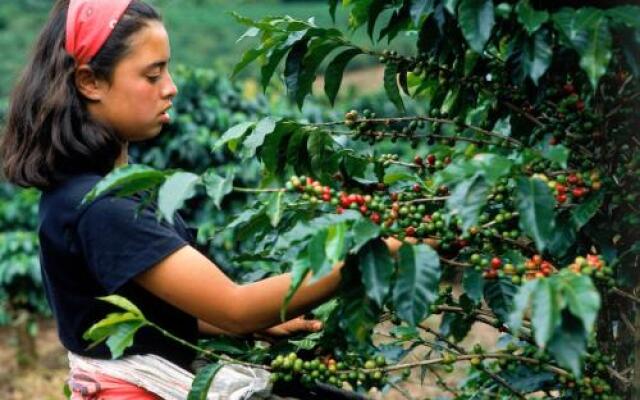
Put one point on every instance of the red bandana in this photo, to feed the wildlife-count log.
(89, 24)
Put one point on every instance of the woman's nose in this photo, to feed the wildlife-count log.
(170, 90)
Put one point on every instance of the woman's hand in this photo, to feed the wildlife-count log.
(293, 326)
(394, 244)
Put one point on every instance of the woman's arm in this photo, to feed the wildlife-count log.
(190, 281)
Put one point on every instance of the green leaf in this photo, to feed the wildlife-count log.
(127, 180)
(536, 204)
(473, 284)
(247, 58)
(521, 301)
(529, 17)
(106, 326)
(420, 8)
(316, 53)
(375, 8)
(123, 303)
(451, 6)
(558, 154)
(217, 187)
(597, 55)
(299, 270)
(583, 213)
(297, 155)
(357, 315)
(363, 231)
(232, 135)
(545, 311)
(587, 31)
(175, 190)
(294, 68)
(334, 72)
(271, 152)
(625, 15)
(377, 268)
(332, 9)
(536, 55)
(456, 325)
(416, 286)
(568, 344)
(275, 208)
(476, 19)
(467, 200)
(122, 337)
(322, 154)
(391, 85)
(319, 262)
(334, 246)
(273, 59)
(202, 382)
(309, 342)
(499, 295)
(255, 139)
(582, 298)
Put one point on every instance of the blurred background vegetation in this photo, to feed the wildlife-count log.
(203, 32)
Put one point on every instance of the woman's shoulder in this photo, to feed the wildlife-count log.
(68, 194)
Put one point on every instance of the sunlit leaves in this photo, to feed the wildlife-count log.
(416, 286)
(476, 18)
(536, 204)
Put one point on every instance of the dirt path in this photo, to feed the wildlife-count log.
(43, 382)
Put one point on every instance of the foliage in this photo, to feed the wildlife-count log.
(20, 279)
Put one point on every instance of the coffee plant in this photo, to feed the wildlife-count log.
(519, 181)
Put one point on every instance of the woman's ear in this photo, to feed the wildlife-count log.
(88, 84)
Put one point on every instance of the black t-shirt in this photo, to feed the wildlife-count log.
(95, 250)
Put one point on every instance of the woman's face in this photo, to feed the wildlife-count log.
(136, 101)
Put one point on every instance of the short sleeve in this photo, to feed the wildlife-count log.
(119, 240)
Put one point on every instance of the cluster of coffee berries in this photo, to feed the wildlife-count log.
(356, 372)
(593, 265)
(431, 161)
(387, 159)
(572, 187)
(537, 267)
(312, 190)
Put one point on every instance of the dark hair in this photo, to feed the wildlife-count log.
(49, 133)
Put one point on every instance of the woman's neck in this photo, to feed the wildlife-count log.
(123, 158)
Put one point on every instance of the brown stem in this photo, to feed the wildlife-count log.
(624, 294)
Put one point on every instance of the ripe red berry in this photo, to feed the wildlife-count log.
(560, 188)
(431, 159)
(417, 160)
(568, 88)
(579, 105)
(561, 198)
(577, 192)
(326, 197)
(364, 209)
(496, 263)
(572, 179)
(375, 218)
(417, 188)
(394, 196)
(339, 210)
(344, 202)
(410, 231)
